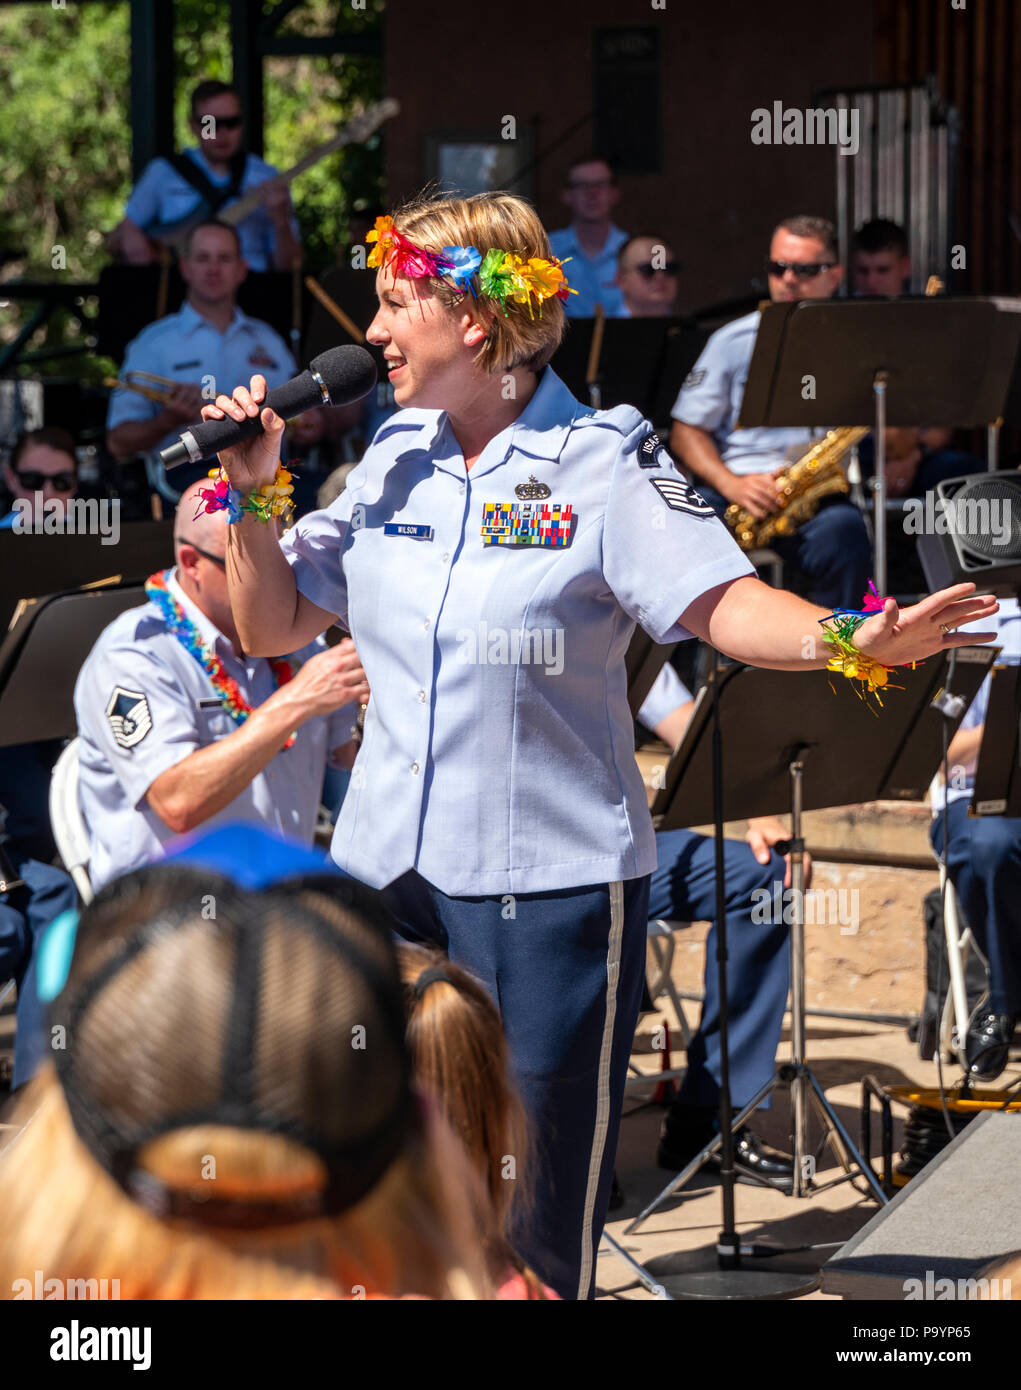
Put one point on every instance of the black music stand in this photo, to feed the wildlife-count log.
(32, 566)
(926, 360)
(42, 654)
(642, 362)
(795, 744)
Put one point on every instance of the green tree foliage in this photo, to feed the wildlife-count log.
(65, 136)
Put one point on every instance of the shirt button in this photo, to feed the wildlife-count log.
(421, 697)
(414, 768)
(461, 488)
(425, 625)
(446, 556)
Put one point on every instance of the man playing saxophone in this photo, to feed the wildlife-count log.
(829, 557)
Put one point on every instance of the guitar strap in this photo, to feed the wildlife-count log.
(213, 196)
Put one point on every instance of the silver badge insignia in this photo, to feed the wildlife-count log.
(532, 491)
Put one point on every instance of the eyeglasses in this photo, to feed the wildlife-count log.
(228, 122)
(36, 482)
(806, 270)
(648, 271)
(584, 186)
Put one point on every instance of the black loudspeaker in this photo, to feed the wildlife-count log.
(970, 529)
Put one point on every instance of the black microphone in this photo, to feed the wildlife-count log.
(337, 377)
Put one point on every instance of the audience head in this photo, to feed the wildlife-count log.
(880, 262)
(461, 1059)
(232, 1114)
(647, 275)
(212, 265)
(803, 260)
(590, 191)
(42, 467)
(216, 120)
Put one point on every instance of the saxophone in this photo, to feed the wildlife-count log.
(801, 486)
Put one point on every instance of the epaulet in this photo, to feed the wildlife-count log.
(405, 420)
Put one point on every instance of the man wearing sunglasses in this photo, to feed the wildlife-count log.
(42, 469)
(830, 557)
(647, 277)
(206, 178)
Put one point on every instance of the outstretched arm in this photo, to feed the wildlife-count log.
(748, 620)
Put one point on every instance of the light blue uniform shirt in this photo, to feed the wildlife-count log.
(143, 703)
(162, 195)
(711, 396)
(499, 748)
(594, 277)
(1008, 637)
(188, 348)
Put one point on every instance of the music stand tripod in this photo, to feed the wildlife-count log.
(782, 726)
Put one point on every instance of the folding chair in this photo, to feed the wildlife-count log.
(953, 1028)
(69, 830)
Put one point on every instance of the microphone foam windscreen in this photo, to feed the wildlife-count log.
(348, 372)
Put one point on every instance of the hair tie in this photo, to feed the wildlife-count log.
(430, 977)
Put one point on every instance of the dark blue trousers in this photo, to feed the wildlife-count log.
(25, 913)
(566, 970)
(683, 888)
(984, 863)
(832, 552)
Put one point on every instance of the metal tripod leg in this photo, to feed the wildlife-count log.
(645, 1278)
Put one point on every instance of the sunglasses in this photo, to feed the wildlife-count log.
(216, 559)
(36, 482)
(228, 122)
(806, 270)
(648, 271)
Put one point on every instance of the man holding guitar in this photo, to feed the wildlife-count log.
(203, 181)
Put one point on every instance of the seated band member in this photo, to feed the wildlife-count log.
(984, 863)
(916, 459)
(180, 727)
(591, 241)
(208, 342)
(647, 277)
(683, 889)
(832, 550)
(203, 180)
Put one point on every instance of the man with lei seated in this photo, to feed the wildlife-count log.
(179, 727)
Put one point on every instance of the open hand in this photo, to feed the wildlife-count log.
(896, 636)
(254, 463)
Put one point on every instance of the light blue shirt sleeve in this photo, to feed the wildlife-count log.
(704, 399)
(314, 549)
(668, 691)
(127, 406)
(662, 545)
(143, 205)
(167, 708)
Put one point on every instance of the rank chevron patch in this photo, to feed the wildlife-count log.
(681, 496)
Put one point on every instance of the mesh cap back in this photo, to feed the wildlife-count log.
(190, 1002)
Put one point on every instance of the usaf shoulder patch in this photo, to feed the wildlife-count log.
(694, 378)
(129, 715)
(651, 453)
(681, 496)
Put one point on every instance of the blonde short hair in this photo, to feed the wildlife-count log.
(490, 221)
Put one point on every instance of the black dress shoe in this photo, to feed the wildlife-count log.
(754, 1161)
(987, 1046)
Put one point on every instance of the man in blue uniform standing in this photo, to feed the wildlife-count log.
(831, 551)
(211, 176)
(180, 728)
(591, 241)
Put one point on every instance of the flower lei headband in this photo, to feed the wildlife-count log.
(499, 275)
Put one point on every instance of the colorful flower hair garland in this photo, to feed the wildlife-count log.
(180, 626)
(847, 660)
(270, 500)
(499, 275)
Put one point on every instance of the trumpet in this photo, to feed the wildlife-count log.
(161, 392)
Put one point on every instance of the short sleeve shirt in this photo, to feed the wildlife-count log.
(499, 747)
(593, 277)
(188, 348)
(710, 399)
(162, 195)
(143, 704)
